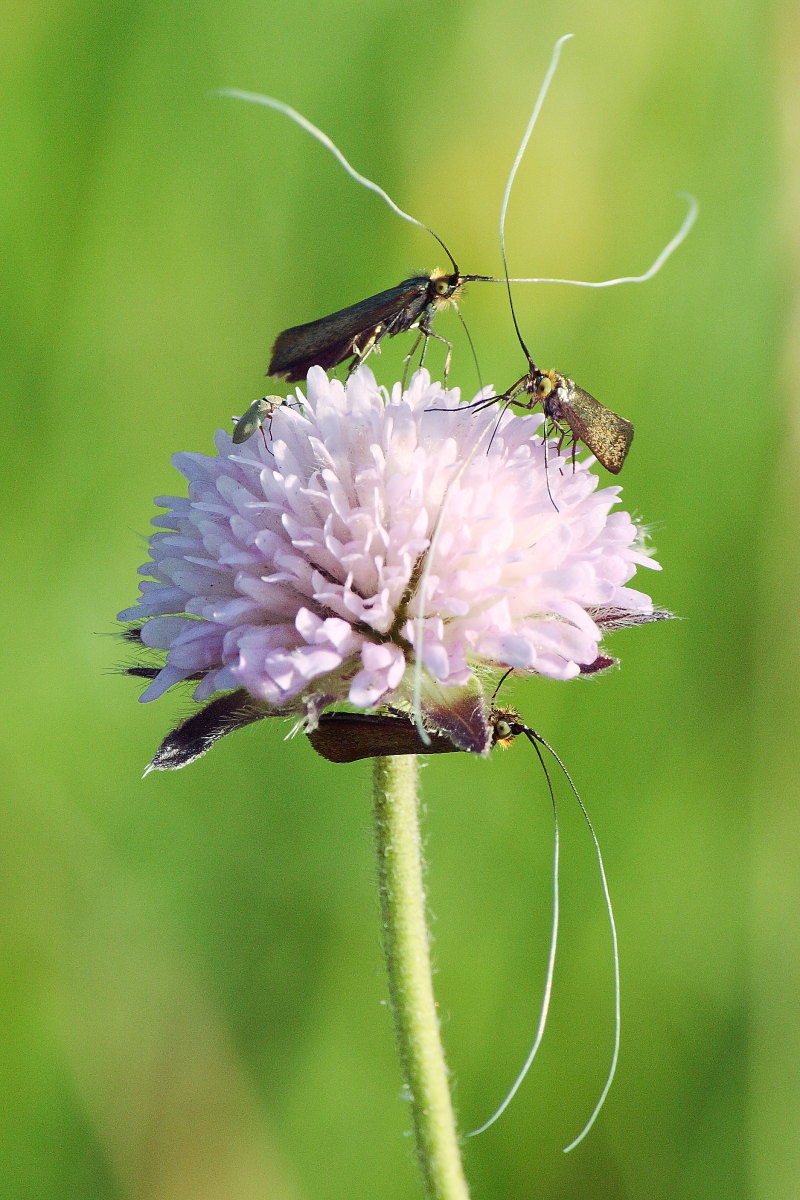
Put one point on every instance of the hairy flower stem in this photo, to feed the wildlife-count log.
(405, 938)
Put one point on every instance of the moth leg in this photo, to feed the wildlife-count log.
(362, 353)
(407, 360)
(427, 332)
(562, 434)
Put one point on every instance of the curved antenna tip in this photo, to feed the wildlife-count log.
(694, 209)
(672, 245)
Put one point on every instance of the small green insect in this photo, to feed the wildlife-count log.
(259, 413)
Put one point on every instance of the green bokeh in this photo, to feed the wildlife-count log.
(191, 982)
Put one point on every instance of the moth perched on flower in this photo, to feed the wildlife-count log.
(378, 527)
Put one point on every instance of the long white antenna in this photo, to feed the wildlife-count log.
(551, 962)
(669, 249)
(323, 139)
(526, 137)
(536, 741)
(612, 1070)
(431, 551)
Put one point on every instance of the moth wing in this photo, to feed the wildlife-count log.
(348, 737)
(329, 341)
(604, 432)
(198, 733)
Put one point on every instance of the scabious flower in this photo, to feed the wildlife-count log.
(310, 568)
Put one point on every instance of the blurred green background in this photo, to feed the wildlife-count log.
(191, 979)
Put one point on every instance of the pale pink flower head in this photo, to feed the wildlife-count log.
(311, 568)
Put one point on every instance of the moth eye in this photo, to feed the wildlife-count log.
(502, 730)
(442, 286)
(544, 387)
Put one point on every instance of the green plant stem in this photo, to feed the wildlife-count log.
(405, 938)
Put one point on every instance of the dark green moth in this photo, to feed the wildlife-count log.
(344, 737)
(354, 332)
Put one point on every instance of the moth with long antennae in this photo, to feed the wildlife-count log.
(345, 737)
(590, 402)
(571, 413)
(352, 333)
(348, 737)
(566, 405)
(569, 408)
